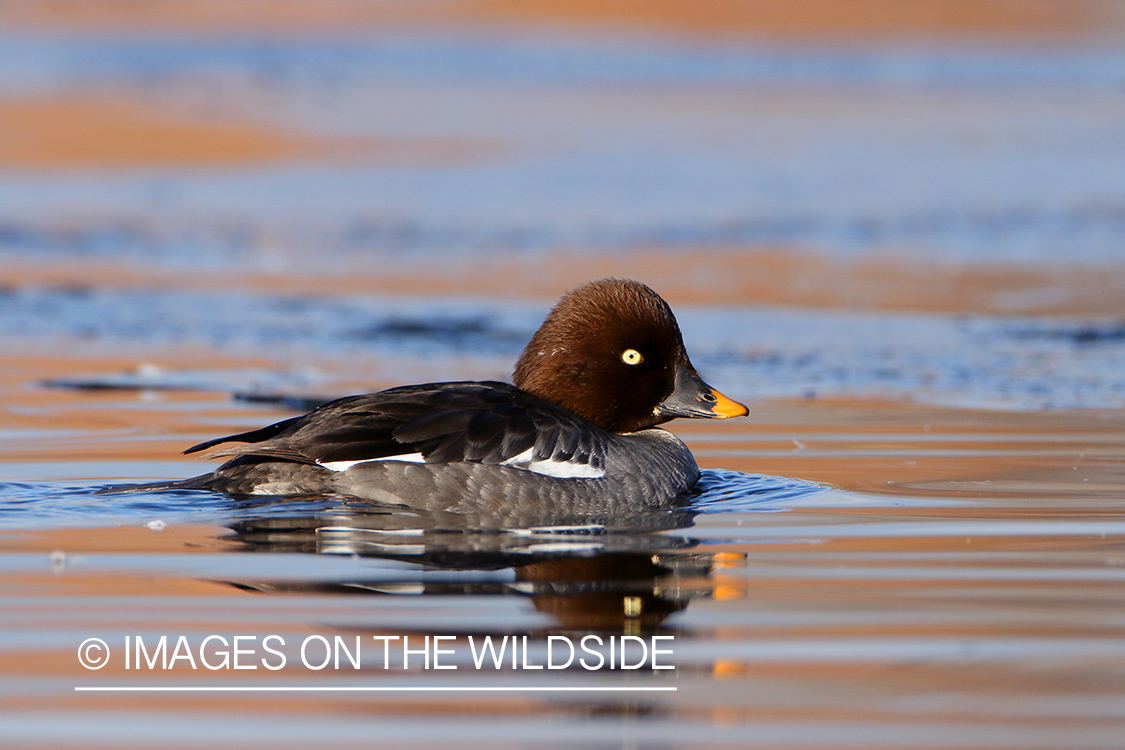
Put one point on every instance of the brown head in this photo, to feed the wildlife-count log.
(611, 351)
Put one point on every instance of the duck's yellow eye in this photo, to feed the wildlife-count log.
(631, 357)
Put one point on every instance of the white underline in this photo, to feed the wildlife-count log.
(385, 689)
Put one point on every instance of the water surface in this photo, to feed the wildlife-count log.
(916, 540)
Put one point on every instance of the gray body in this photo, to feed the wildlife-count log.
(646, 470)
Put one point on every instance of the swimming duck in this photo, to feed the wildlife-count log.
(576, 434)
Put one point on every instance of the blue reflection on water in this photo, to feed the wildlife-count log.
(45, 504)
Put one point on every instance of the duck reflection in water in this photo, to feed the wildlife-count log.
(618, 575)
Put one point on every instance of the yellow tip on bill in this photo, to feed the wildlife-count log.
(725, 408)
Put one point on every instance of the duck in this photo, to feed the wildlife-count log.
(576, 433)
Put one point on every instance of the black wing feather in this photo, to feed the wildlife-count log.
(254, 436)
(486, 423)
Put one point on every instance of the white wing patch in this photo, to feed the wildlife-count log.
(547, 467)
(523, 458)
(566, 469)
(525, 461)
(413, 458)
